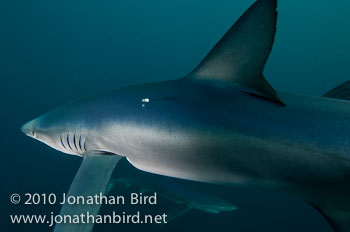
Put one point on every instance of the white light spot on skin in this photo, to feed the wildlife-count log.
(144, 101)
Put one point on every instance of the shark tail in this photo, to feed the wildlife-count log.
(338, 219)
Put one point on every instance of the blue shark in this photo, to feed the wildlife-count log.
(186, 194)
(223, 123)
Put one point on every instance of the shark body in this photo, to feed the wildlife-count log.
(186, 194)
(222, 123)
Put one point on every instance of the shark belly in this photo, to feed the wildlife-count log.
(222, 123)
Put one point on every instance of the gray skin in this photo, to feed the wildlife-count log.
(223, 123)
(191, 195)
(194, 130)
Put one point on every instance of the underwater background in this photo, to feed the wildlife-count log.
(55, 51)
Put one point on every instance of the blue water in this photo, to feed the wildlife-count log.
(55, 51)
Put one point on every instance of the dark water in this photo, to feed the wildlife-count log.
(55, 51)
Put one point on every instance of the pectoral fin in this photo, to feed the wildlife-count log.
(109, 188)
(178, 212)
(92, 178)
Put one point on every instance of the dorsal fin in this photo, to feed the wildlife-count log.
(340, 92)
(241, 54)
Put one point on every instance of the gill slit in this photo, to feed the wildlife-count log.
(75, 144)
(84, 145)
(68, 142)
(80, 144)
(62, 142)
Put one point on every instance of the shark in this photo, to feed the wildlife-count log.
(186, 194)
(222, 123)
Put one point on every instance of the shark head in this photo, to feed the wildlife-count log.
(128, 121)
(63, 129)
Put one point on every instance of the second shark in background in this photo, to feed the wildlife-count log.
(187, 194)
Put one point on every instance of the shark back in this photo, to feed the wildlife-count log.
(223, 123)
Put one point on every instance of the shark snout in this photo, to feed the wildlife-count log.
(28, 128)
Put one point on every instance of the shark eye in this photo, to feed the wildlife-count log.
(33, 134)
